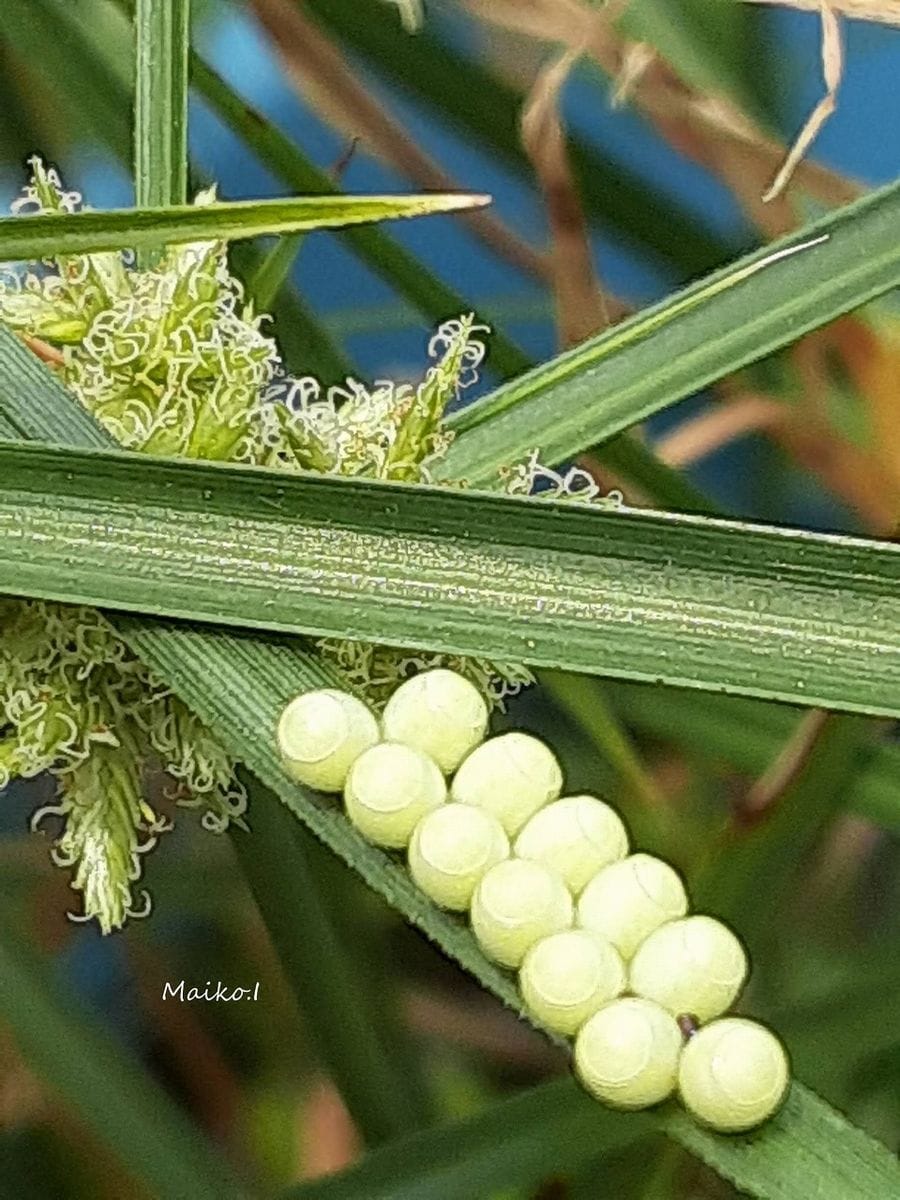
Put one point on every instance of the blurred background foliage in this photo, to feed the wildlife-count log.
(784, 827)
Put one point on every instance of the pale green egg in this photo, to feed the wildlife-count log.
(451, 849)
(516, 904)
(440, 713)
(694, 965)
(320, 734)
(576, 837)
(566, 977)
(734, 1075)
(389, 789)
(511, 776)
(627, 1053)
(627, 900)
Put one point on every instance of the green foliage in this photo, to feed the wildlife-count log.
(573, 574)
(168, 355)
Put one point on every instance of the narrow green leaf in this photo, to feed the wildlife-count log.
(237, 684)
(348, 1025)
(31, 238)
(738, 315)
(549, 1131)
(162, 37)
(718, 605)
(113, 1097)
(269, 277)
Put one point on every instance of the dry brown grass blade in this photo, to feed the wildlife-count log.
(318, 69)
(580, 305)
(328, 1138)
(703, 435)
(887, 12)
(872, 359)
(698, 125)
(832, 70)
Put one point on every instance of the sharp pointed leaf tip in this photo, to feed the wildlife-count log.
(449, 201)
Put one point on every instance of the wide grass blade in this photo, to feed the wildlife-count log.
(32, 238)
(114, 1098)
(722, 323)
(718, 605)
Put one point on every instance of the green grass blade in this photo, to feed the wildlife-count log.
(549, 1131)
(30, 238)
(117, 1101)
(274, 269)
(746, 734)
(162, 37)
(809, 1150)
(487, 111)
(718, 605)
(734, 317)
(748, 878)
(238, 684)
(347, 1024)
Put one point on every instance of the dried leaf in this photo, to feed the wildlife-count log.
(885, 11)
(710, 129)
(832, 69)
(581, 307)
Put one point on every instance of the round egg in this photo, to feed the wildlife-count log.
(389, 789)
(576, 837)
(511, 776)
(451, 849)
(516, 904)
(627, 900)
(320, 735)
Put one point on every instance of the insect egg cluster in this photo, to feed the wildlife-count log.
(605, 949)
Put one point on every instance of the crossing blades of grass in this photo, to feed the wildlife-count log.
(238, 683)
(717, 605)
(737, 316)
